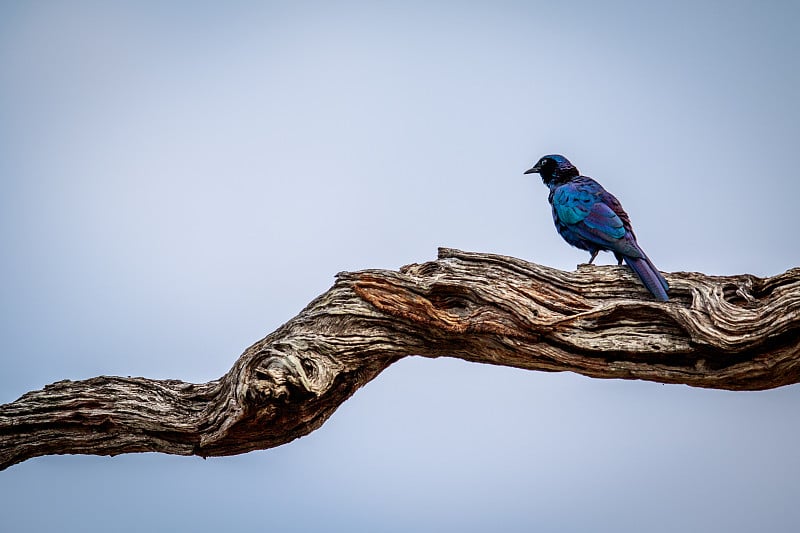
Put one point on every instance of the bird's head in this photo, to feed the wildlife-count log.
(554, 169)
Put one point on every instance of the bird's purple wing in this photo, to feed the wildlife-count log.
(580, 205)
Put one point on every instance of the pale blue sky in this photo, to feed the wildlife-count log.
(180, 178)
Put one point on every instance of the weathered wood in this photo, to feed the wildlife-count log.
(727, 332)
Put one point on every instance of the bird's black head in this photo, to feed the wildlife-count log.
(554, 169)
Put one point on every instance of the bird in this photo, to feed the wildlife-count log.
(590, 218)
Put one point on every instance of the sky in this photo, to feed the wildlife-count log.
(180, 178)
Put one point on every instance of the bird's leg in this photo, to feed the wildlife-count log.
(619, 258)
(594, 254)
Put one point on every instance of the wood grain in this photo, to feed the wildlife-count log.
(727, 332)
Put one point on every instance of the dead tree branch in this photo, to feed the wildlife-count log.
(734, 332)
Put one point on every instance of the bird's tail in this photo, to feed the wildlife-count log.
(650, 276)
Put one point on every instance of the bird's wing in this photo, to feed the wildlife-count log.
(611, 201)
(582, 208)
(603, 227)
(575, 204)
(604, 222)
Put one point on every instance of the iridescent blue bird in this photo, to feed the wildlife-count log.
(591, 218)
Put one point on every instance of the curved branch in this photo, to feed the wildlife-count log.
(727, 332)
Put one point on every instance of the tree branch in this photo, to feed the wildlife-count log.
(726, 332)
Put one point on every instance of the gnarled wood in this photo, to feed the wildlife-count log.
(731, 332)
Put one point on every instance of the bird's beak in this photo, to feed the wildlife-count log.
(534, 170)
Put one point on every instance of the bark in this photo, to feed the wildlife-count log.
(727, 332)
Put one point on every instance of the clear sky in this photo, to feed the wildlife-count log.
(180, 178)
